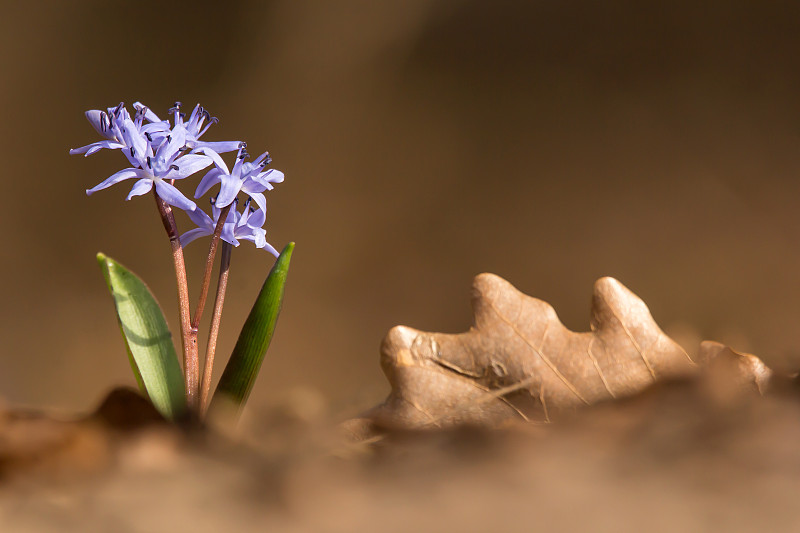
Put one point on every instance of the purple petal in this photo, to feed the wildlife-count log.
(233, 217)
(249, 169)
(268, 247)
(193, 234)
(237, 166)
(115, 178)
(94, 149)
(242, 219)
(141, 187)
(228, 189)
(113, 145)
(229, 238)
(220, 147)
(261, 202)
(96, 119)
(156, 129)
(134, 139)
(89, 149)
(173, 196)
(215, 157)
(211, 178)
(149, 115)
(273, 176)
(257, 219)
(202, 220)
(134, 161)
(229, 228)
(178, 136)
(82, 149)
(259, 199)
(263, 182)
(169, 150)
(118, 111)
(188, 165)
(260, 238)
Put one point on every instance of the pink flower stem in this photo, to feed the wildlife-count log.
(216, 317)
(191, 370)
(212, 252)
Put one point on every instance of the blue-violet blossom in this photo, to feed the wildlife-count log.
(247, 226)
(160, 154)
(109, 124)
(247, 177)
(155, 169)
(193, 129)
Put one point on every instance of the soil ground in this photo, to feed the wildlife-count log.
(672, 459)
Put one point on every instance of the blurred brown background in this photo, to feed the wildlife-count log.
(423, 141)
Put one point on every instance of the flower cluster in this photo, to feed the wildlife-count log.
(161, 153)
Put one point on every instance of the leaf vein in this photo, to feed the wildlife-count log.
(541, 355)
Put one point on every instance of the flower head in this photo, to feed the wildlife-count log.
(160, 153)
(109, 125)
(247, 177)
(193, 128)
(156, 151)
(247, 226)
(156, 167)
(250, 227)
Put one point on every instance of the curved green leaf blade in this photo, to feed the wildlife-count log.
(147, 338)
(240, 373)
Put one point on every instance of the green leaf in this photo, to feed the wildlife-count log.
(147, 338)
(240, 373)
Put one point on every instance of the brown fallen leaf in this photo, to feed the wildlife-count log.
(520, 362)
(730, 375)
(35, 442)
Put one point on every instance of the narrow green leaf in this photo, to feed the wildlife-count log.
(147, 338)
(240, 373)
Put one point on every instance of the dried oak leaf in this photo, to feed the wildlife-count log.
(520, 362)
(729, 375)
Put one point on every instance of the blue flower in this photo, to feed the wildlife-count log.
(109, 125)
(247, 177)
(250, 227)
(193, 129)
(160, 153)
(206, 225)
(247, 226)
(155, 169)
